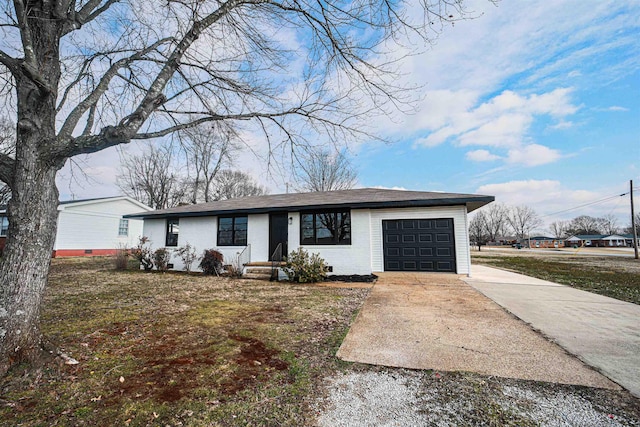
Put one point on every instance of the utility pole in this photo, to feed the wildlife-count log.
(633, 221)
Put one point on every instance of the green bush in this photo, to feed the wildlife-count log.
(304, 268)
(161, 259)
(211, 262)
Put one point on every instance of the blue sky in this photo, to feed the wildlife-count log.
(536, 103)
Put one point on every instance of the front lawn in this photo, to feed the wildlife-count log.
(178, 349)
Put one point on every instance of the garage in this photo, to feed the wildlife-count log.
(419, 245)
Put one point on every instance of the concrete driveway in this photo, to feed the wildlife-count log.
(437, 321)
(601, 331)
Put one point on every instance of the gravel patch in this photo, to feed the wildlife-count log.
(400, 397)
(372, 399)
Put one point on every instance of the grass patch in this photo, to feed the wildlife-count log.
(575, 272)
(178, 349)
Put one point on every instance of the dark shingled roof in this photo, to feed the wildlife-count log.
(372, 198)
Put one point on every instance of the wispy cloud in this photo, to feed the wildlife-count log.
(481, 156)
(550, 196)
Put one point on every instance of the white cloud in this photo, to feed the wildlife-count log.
(562, 124)
(617, 108)
(554, 201)
(532, 155)
(506, 130)
(481, 156)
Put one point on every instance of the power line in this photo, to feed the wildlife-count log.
(588, 204)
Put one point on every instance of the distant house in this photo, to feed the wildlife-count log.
(545, 242)
(596, 240)
(356, 231)
(91, 226)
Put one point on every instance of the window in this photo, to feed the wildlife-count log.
(232, 231)
(123, 228)
(173, 225)
(4, 225)
(325, 228)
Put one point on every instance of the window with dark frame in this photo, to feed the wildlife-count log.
(173, 227)
(325, 228)
(232, 230)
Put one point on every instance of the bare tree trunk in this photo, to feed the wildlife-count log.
(25, 265)
(33, 208)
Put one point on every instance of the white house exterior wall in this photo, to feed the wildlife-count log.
(363, 256)
(95, 226)
(457, 213)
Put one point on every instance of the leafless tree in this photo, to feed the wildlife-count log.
(584, 224)
(496, 221)
(319, 170)
(608, 224)
(523, 220)
(230, 184)
(151, 177)
(629, 228)
(478, 230)
(559, 229)
(84, 75)
(208, 148)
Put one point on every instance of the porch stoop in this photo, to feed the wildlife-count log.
(261, 270)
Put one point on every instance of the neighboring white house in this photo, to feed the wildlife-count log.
(356, 231)
(93, 226)
(599, 240)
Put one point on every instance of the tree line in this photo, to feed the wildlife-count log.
(496, 221)
(199, 165)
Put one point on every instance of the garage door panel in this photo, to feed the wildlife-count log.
(394, 266)
(409, 266)
(393, 252)
(419, 245)
(425, 224)
(426, 252)
(426, 266)
(445, 266)
(392, 238)
(441, 237)
(408, 224)
(443, 252)
(408, 238)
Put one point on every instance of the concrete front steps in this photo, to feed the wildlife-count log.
(260, 270)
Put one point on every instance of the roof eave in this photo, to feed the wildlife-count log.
(471, 204)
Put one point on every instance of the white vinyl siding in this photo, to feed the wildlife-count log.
(96, 225)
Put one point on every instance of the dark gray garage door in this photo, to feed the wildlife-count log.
(419, 245)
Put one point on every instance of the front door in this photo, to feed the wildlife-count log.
(278, 233)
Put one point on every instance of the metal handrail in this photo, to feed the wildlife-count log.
(276, 259)
(244, 257)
